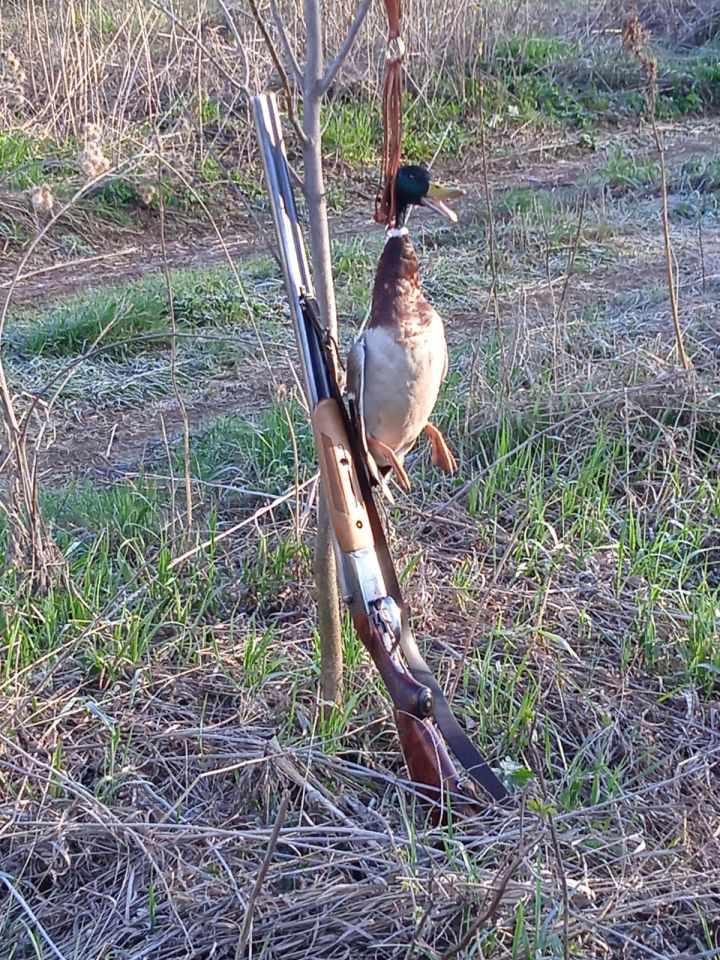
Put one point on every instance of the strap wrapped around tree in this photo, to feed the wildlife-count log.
(385, 206)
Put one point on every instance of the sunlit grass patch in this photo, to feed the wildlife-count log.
(267, 453)
(133, 317)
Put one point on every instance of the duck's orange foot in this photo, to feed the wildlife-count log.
(440, 451)
(379, 449)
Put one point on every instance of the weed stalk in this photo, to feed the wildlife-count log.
(173, 359)
(635, 40)
(493, 252)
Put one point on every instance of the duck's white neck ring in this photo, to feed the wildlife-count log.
(396, 232)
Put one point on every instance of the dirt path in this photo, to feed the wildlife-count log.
(47, 284)
(112, 443)
(547, 166)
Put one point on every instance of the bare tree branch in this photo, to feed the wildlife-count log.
(285, 41)
(239, 45)
(280, 69)
(335, 64)
(196, 40)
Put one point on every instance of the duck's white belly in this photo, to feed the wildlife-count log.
(402, 381)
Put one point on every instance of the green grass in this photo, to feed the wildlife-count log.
(27, 161)
(121, 533)
(258, 454)
(125, 334)
(552, 79)
(625, 170)
(536, 80)
(135, 316)
(578, 500)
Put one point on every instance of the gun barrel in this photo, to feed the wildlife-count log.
(296, 271)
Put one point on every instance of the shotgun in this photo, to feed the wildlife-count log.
(426, 726)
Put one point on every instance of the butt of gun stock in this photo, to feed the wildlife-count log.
(431, 768)
(426, 757)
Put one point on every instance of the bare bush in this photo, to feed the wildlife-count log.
(66, 65)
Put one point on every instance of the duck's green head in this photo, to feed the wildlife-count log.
(413, 186)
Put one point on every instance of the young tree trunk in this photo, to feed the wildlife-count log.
(312, 159)
(328, 600)
(315, 79)
(328, 608)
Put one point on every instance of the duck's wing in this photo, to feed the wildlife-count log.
(356, 393)
(355, 383)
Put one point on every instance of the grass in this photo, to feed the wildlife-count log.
(261, 455)
(624, 170)
(122, 320)
(536, 81)
(125, 333)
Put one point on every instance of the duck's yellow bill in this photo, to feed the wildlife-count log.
(437, 194)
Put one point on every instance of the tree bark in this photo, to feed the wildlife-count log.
(312, 160)
(328, 599)
(328, 611)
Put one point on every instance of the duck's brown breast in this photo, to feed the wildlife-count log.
(398, 301)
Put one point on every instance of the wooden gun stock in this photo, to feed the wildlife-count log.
(426, 756)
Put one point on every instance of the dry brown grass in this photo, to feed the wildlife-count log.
(115, 64)
(136, 818)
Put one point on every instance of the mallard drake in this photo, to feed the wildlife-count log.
(396, 367)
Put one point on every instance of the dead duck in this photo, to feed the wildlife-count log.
(397, 365)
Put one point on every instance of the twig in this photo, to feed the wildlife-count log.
(685, 361)
(261, 511)
(285, 41)
(559, 424)
(65, 265)
(28, 539)
(556, 847)
(635, 41)
(491, 243)
(342, 55)
(237, 192)
(7, 880)
(262, 873)
(491, 908)
(465, 651)
(573, 253)
(126, 597)
(614, 930)
(198, 42)
(239, 45)
(280, 69)
(173, 359)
